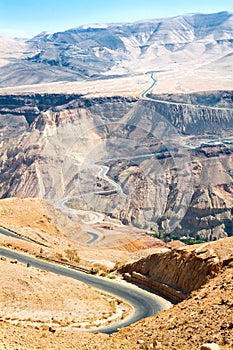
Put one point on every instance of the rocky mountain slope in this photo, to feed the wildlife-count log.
(37, 140)
(165, 163)
(193, 118)
(113, 50)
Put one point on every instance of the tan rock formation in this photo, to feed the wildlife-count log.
(183, 269)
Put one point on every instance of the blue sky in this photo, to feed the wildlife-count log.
(26, 18)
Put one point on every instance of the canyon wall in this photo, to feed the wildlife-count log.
(195, 119)
(51, 144)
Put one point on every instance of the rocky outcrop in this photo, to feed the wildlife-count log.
(210, 346)
(158, 287)
(204, 319)
(175, 273)
(215, 99)
(209, 214)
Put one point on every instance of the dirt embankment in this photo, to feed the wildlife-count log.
(205, 317)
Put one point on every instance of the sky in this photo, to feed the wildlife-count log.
(26, 18)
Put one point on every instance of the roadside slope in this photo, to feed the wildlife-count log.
(183, 269)
(205, 317)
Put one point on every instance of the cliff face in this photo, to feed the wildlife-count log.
(196, 119)
(64, 146)
(204, 318)
(33, 107)
(209, 214)
(38, 131)
(184, 269)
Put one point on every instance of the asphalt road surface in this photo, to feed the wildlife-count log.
(94, 237)
(144, 303)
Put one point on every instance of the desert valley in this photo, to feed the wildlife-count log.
(116, 186)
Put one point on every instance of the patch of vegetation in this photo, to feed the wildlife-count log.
(190, 241)
(112, 303)
(168, 237)
(72, 255)
(111, 277)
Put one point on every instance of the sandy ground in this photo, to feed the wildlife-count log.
(42, 299)
(188, 79)
(171, 79)
(122, 86)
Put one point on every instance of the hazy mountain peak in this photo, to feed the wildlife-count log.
(96, 50)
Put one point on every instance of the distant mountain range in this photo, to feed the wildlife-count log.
(109, 50)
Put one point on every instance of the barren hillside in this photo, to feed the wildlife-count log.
(33, 299)
(205, 317)
(192, 51)
(53, 235)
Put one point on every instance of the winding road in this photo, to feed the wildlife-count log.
(103, 169)
(61, 204)
(103, 175)
(144, 303)
(154, 82)
(94, 237)
(144, 93)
